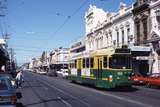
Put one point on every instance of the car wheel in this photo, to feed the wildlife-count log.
(148, 85)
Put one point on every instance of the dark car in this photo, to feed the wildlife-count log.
(8, 95)
(52, 73)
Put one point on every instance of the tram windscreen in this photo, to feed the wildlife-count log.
(119, 62)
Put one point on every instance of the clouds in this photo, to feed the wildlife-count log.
(30, 32)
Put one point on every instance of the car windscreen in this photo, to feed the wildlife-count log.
(3, 84)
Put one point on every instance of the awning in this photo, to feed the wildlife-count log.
(140, 48)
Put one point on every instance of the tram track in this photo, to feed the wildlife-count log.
(109, 95)
(87, 96)
(85, 104)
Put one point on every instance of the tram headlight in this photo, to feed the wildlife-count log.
(110, 78)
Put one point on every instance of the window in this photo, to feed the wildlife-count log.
(122, 37)
(128, 35)
(87, 63)
(91, 62)
(101, 42)
(110, 33)
(138, 31)
(119, 62)
(3, 85)
(145, 29)
(117, 39)
(84, 63)
(105, 62)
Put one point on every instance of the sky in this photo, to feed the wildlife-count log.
(43, 25)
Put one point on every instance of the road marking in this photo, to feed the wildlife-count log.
(85, 103)
(65, 102)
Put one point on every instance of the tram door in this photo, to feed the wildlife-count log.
(79, 67)
(99, 67)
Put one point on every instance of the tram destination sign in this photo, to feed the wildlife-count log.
(122, 51)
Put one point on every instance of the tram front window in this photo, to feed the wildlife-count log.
(119, 62)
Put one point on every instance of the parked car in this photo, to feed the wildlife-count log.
(42, 72)
(59, 73)
(138, 79)
(8, 95)
(153, 80)
(65, 74)
(51, 73)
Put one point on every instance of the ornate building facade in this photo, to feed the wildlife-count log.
(154, 36)
(116, 30)
(141, 13)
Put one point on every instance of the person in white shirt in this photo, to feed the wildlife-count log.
(19, 79)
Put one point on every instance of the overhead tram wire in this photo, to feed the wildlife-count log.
(1, 30)
(2, 14)
(25, 47)
(68, 18)
(27, 50)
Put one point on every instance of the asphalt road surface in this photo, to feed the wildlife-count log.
(43, 91)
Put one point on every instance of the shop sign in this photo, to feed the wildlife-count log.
(142, 58)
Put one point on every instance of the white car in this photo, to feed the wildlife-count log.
(42, 72)
(65, 74)
(59, 73)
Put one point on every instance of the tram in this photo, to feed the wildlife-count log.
(105, 68)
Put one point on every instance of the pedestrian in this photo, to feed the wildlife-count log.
(19, 79)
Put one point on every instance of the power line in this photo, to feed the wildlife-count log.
(28, 50)
(30, 47)
(69, 17)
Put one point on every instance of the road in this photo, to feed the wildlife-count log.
(43, 91)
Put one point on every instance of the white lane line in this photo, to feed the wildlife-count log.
(83, 102)
(65, 102)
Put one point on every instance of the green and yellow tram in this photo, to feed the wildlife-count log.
(105, 68)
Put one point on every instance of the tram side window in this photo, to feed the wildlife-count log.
(72, 65)
(105, 62)
(91, 62)
(110, 63)
(87, 62)
(75, 63)
(84, 63)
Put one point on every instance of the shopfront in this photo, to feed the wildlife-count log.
(140, 59)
